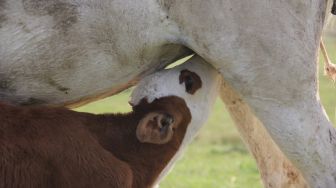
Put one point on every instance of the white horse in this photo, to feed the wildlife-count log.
(69, 52)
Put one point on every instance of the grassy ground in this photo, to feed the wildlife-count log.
(217, 158)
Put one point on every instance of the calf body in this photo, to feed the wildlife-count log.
(44, 147)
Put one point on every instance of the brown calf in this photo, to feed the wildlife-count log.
(56, 147)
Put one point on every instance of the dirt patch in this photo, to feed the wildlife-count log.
(64, 13)
(3, 17)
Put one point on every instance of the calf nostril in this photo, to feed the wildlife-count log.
(167, 120)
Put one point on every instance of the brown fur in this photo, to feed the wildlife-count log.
(56, 147)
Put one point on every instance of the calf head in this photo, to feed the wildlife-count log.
(163, 118)
(195, 82)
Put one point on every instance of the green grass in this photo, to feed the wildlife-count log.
(217, 157)
(327, 88)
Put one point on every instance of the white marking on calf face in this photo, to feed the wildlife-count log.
(166, 83)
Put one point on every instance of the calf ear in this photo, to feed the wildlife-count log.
(155, 128)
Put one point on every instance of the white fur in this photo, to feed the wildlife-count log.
(166, 83)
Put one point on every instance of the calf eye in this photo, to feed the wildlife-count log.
(191, 80)
(188, 83)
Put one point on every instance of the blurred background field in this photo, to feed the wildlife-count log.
(217, 158)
